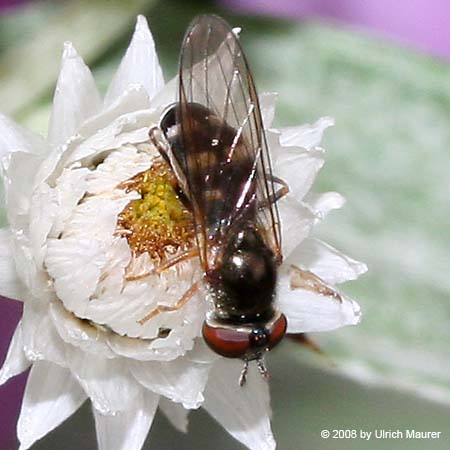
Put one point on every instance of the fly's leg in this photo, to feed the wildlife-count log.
(188, 254)
(284, 190)
(273, 198)
(179, 304)
(158, 139)
(304, 339)
(243, 376)
(262, 368)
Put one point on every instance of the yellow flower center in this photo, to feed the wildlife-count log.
(158, 223)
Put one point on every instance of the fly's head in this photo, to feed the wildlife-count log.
(247, 342)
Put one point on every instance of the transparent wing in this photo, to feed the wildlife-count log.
(224, 153)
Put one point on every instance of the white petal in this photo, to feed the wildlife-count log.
(298, 168)
(119, 166)
(296, 223)
(107, 382)
(326, 262)
(175, 413)
(79, 333)
(267, 101)
(323, 203)
(166, 96)
(306, 136)
(16, 362)
(128, 429)
(40, 338)
(307, 311)
(51, 396)
(182, 380)
(243, 411)
(75, 265)
(19, 170)
(36, 280)
(13, 137)
(76, 97)
(129, 128)
(140, 65)
(10, 284)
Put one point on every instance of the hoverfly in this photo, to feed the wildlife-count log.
(213, 139)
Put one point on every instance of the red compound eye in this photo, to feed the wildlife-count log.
(233, 343)
(277, 331)
(226, 341)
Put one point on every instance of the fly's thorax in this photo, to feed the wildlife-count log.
(216, 155)
(243, 284)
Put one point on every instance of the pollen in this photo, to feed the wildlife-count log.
(158, 223)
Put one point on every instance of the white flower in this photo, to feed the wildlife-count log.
(66, 255)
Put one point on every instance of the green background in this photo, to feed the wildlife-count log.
(388, 154)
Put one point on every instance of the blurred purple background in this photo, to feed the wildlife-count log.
(6, 5)
(11, 393)
(423, 24)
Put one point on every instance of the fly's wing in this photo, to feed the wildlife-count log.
(224, 154)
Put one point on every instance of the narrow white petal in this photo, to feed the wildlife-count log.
(75, 266)
(41, 341)
(10, 284)
(51, 396)
(107, 382)
(76, 97)
(16, 362)
(243, 411)
(182, 380)
(77, 332)
(326, 262)
(13, 137)
(308, 311)
(166, 96)
(298, 168)
(306, 136)
(19, 169)
(128, 128)
(135, 98)
(140, 65)
(296, 223)
(176, 414)
(323, 203)
(128, 429)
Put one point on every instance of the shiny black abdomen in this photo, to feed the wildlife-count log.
(243, 285)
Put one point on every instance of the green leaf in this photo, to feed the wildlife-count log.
(388, 154)
(29, 62)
